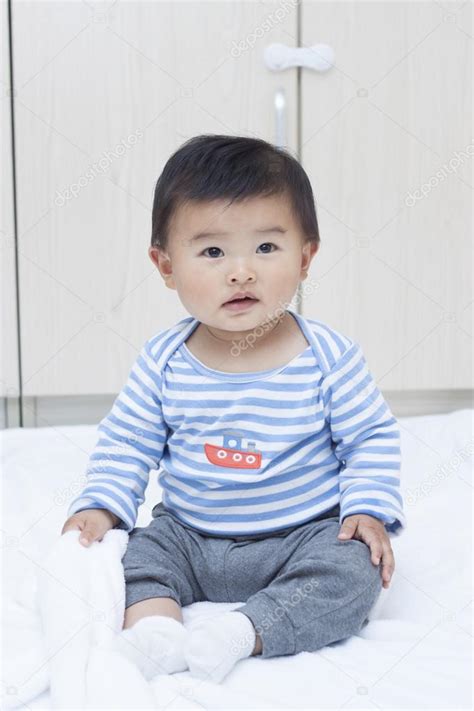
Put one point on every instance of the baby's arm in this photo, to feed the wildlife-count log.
(131, 442)
(367, 439)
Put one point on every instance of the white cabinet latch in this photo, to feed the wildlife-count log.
(278, 57)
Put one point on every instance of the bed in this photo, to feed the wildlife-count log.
(415, 652)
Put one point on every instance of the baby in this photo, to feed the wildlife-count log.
(279, 458)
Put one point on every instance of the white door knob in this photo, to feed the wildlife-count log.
(278, 57)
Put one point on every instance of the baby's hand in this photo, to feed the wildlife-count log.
(371, 531)
(94, 524)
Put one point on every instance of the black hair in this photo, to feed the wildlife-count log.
(214, 167)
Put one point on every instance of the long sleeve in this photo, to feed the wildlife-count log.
(367, 441)
(131, 441)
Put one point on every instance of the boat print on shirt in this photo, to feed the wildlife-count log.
(231, 454)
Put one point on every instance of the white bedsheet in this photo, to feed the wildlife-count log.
(414, 653)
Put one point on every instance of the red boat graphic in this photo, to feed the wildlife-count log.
(232, 455)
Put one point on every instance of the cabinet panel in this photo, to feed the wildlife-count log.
(388, 147)
(9, 370)
(104, 97)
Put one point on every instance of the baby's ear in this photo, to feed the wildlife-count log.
(155, 254)
(162, 262)
(309, 250)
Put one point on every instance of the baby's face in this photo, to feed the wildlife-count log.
(216, 250)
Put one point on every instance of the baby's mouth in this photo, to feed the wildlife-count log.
(244, 295)
(241, 303)
(243, 298)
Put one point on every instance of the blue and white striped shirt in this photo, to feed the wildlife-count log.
(249, 453)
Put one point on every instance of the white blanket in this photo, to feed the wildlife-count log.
(75, 609)
(63, 601)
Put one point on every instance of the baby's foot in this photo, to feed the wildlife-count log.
(155, 644)
(214, 645)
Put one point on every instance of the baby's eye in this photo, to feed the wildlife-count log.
(208, 249)
(213, 254)
(267, 243)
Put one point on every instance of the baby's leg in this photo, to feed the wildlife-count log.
(165, 606)
(153, 637)
(158, 581)
(322, 594)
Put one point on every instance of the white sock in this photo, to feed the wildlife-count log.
(214, 645)
(155, 644)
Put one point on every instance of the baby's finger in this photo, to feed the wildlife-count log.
(388, 563)
(386, 576)
(376, 549)
(90, 533)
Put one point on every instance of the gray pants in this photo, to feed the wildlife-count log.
(303, 588)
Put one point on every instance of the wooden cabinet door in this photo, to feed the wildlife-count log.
(387, 143)
(103, 97)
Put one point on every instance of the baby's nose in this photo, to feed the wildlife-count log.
(242, 273)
